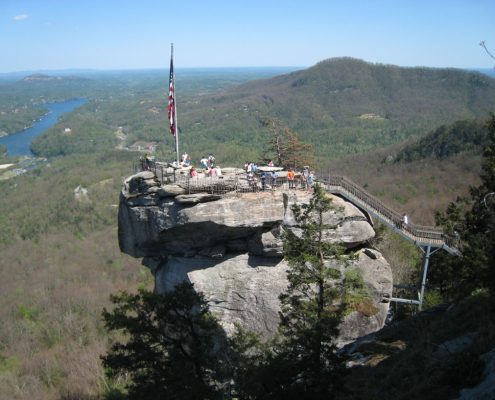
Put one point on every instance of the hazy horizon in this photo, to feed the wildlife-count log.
(232, 68)
(59, 35)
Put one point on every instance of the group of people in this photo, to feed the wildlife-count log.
(306, 178)
(207, 162)
(253, 174)
(212, 172)
(185, 160)
(250, 167)
(207, 165)
(265, 177)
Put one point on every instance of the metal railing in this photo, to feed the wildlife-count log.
(422, 235)
(227, 184)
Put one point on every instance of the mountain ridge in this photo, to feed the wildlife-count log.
(327, 104)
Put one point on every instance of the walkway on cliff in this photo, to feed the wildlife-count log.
(429, 239)
(425, 237)
(422, 236)
(419, 235)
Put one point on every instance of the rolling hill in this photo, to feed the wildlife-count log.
(448, 140)
(422, 175)
(64, 251)
(342, 105)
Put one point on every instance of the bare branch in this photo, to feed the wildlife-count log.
(482, 44)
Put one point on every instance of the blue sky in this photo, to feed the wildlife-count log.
(125, 34)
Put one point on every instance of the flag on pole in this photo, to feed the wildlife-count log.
(171, 98)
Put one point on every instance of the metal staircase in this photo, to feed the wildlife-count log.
(429, 239)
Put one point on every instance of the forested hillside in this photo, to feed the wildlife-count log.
(421, 176)
(343, 105)
(396, 131)
(466, 136)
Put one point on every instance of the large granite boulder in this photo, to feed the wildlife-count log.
(244, 290)
(241, 289)
(150, 224)
(230, 247)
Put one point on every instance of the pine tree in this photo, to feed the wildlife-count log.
(172, 349)
(473, 221)
(301, 362)
(480, 220)
(312, 308)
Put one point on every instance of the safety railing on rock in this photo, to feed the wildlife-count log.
(213, 185)
(422, 235)
(226, 184)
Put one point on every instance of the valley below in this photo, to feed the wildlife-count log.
(412, 137)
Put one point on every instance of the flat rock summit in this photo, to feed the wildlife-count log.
(229, 246)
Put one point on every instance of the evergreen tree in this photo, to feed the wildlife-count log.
(173, 346)
(301, 363)
(475, 229)
(480, 220)
(312, 308)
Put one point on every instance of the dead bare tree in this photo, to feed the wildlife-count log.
(482, 44)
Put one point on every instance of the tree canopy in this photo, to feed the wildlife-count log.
(285, 146)
(301, 362)
(472, 221)
(173, 345)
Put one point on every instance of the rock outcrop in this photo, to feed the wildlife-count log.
(230, 247)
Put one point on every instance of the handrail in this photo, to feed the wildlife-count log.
(421, 235)
(417, 233)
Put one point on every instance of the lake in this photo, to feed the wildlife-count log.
(18, 143)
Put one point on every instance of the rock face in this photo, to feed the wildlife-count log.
(230, 248)
(241, 289)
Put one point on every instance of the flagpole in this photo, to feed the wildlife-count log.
(176, 130)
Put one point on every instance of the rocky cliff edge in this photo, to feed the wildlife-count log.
(229, 246)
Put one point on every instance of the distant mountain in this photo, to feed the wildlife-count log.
(487, 71)
(40, 78)
(49, 78)
(344, 105)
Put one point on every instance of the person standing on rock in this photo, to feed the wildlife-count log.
(263, 181)
(211, 160)
(274, 179)
(146, 162)
(204, 162)
(184, 158)
(290, 178)
(310, 180)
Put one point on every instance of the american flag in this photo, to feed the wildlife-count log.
(171, 99)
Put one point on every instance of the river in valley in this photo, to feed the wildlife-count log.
(18, 143)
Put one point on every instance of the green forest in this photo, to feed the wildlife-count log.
(420, 139)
